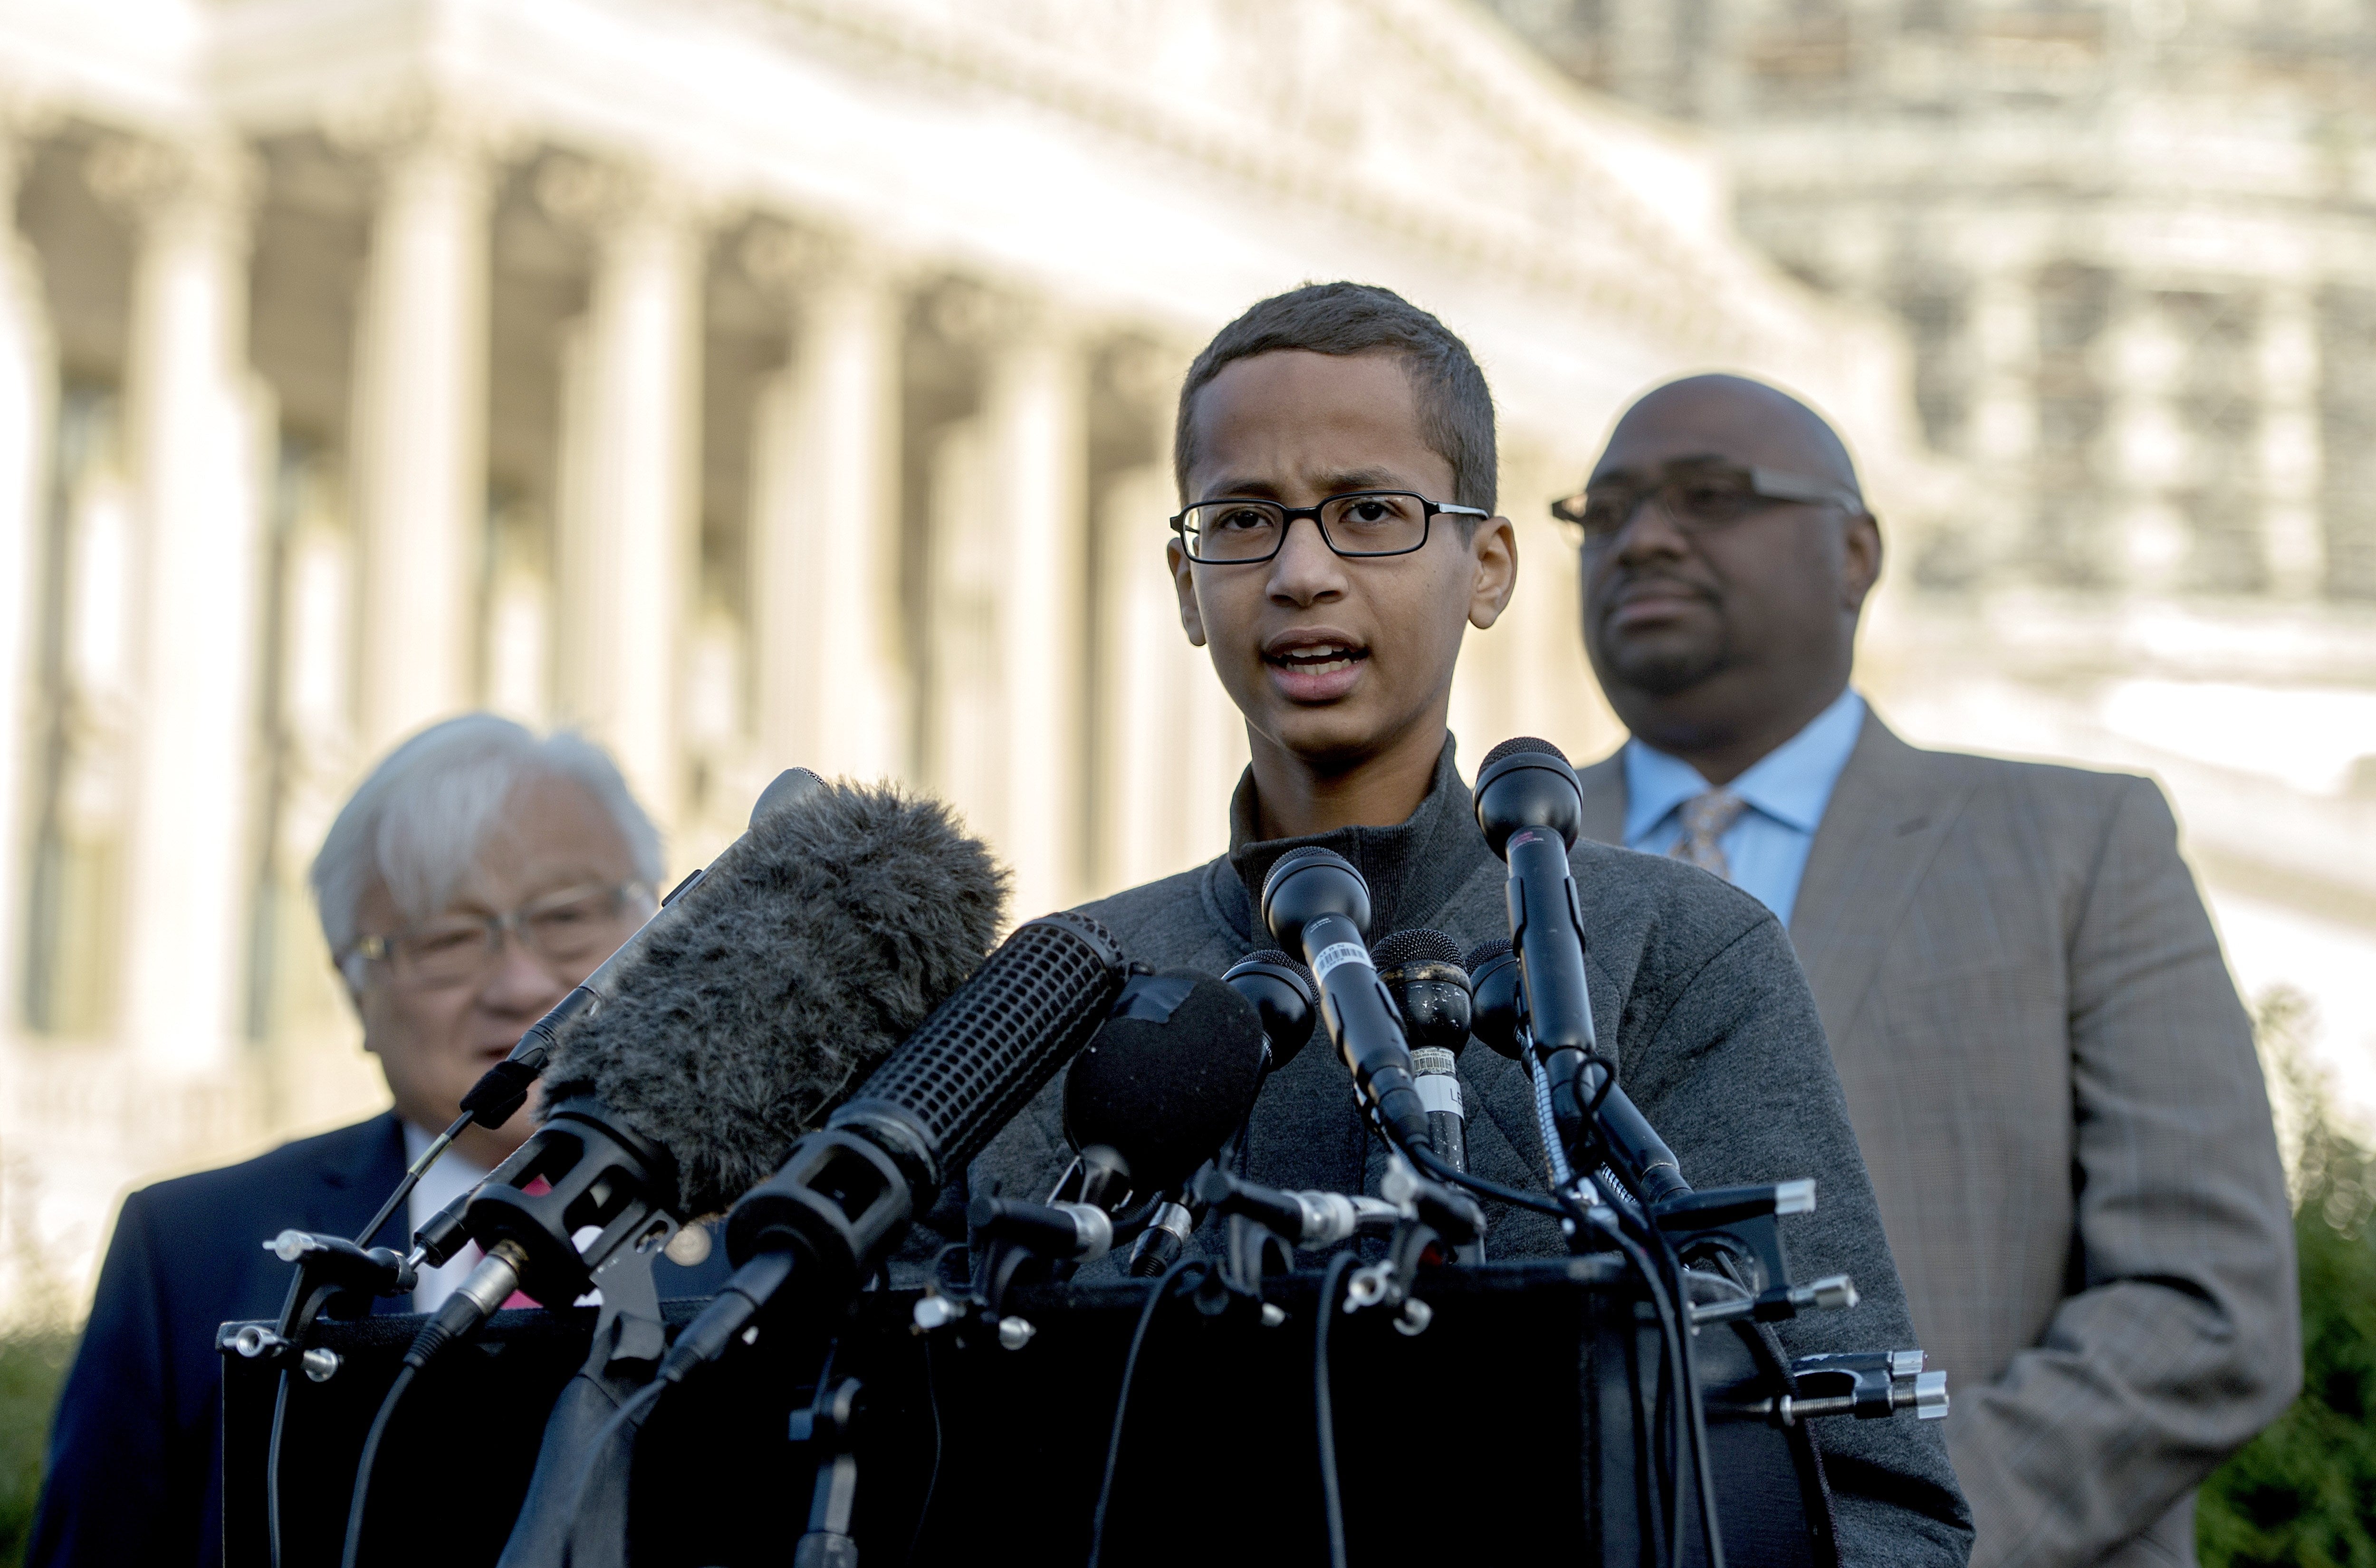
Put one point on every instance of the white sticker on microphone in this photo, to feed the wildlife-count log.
(1440, 1091)
(1338, 953)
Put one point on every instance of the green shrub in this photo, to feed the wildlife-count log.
(32, 1363)
(2303, 1493)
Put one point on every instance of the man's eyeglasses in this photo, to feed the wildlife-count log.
(1364, 523)
(1694, 497)
(574, 925)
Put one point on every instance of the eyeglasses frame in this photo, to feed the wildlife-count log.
(380, 947)
(1766, 484)
(1429, 511)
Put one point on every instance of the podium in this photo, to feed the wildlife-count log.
(1505, 1430)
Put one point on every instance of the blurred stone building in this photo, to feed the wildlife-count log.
(749, 382)
(2132, 245)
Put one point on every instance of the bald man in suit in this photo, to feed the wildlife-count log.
(2046, 1062)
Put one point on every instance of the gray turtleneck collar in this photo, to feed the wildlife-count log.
(1413, 867)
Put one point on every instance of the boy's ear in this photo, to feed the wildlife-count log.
(1183, 581)
(1495, 547)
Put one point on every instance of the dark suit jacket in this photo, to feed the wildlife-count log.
(135, 1463)
(2058, 1098)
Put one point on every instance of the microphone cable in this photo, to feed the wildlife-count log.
(404, 1376)
(1163, 1288)
(272, 1468)
(638, 1403)
(1324, 1407)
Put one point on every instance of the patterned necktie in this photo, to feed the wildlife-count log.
(1705, 817)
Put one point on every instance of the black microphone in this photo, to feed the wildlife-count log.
(1285, 997)
(1168, 1077)
(1314, 902)
(1420, 969)
(846, 1196)
(831, 931)
(1160, 1087)
(1287, 1001)
(1531, 810)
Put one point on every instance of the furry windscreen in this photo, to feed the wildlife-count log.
(813, 947)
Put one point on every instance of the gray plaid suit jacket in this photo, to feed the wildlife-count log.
(2057, 1096)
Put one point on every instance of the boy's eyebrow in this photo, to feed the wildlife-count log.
(1333, 484)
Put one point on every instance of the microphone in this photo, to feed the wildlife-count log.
(830, 931)
(504, 1088)
(1531, 811)
(1420, 969)
(847, 1193)
(1316, 902)
(1285, 997)
(1164, 1082)
(1168, 1078)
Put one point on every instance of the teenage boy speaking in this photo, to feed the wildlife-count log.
(1335, 462)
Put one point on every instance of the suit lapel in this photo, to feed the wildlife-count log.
(357, 1172)
(1604, 799)
(1887, 818)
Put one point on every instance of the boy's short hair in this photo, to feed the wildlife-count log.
(1456, 408)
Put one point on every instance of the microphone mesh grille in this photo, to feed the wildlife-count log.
(1485, 953)
(1517, 743)
(1420, 944)
(1001, 1036)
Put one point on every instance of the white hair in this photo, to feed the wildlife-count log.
(417, 824)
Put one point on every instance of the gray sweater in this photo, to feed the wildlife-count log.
(1697, 994)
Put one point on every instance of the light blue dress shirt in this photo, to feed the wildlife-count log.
(1786, 790)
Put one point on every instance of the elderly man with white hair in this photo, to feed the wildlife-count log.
(479, 873)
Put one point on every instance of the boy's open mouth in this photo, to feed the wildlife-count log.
(1315, 664)
(1317, 658)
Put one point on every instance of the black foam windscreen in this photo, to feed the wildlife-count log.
(1168, 1077)
(1493, 986)
(1285, 997)
(840, 921)
(1517, 743)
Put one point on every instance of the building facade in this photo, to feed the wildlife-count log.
(748, 382)
(2132, 245)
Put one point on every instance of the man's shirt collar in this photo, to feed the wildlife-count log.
(1791, 784)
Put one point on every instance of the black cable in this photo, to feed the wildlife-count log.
(412, 1174)
(1662, 1271)
(404, 1376)
(1122, 1400)
(1435, 1165)
(272, 1469)
(1324, 1407)
(933, 1479)
(641, 1401)
(1671, 1349)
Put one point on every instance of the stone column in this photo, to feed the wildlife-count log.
(628, 541)
(2003, 439)
(825, 541)
(28, 379)
(1036, 418)
(419, 429)
(2292, 454)
(196, 430)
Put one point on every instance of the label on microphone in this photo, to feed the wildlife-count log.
(1439, 1091)
(1338, 953)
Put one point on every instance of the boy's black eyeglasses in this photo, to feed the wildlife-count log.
(1241, 532)
(1696, 495)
